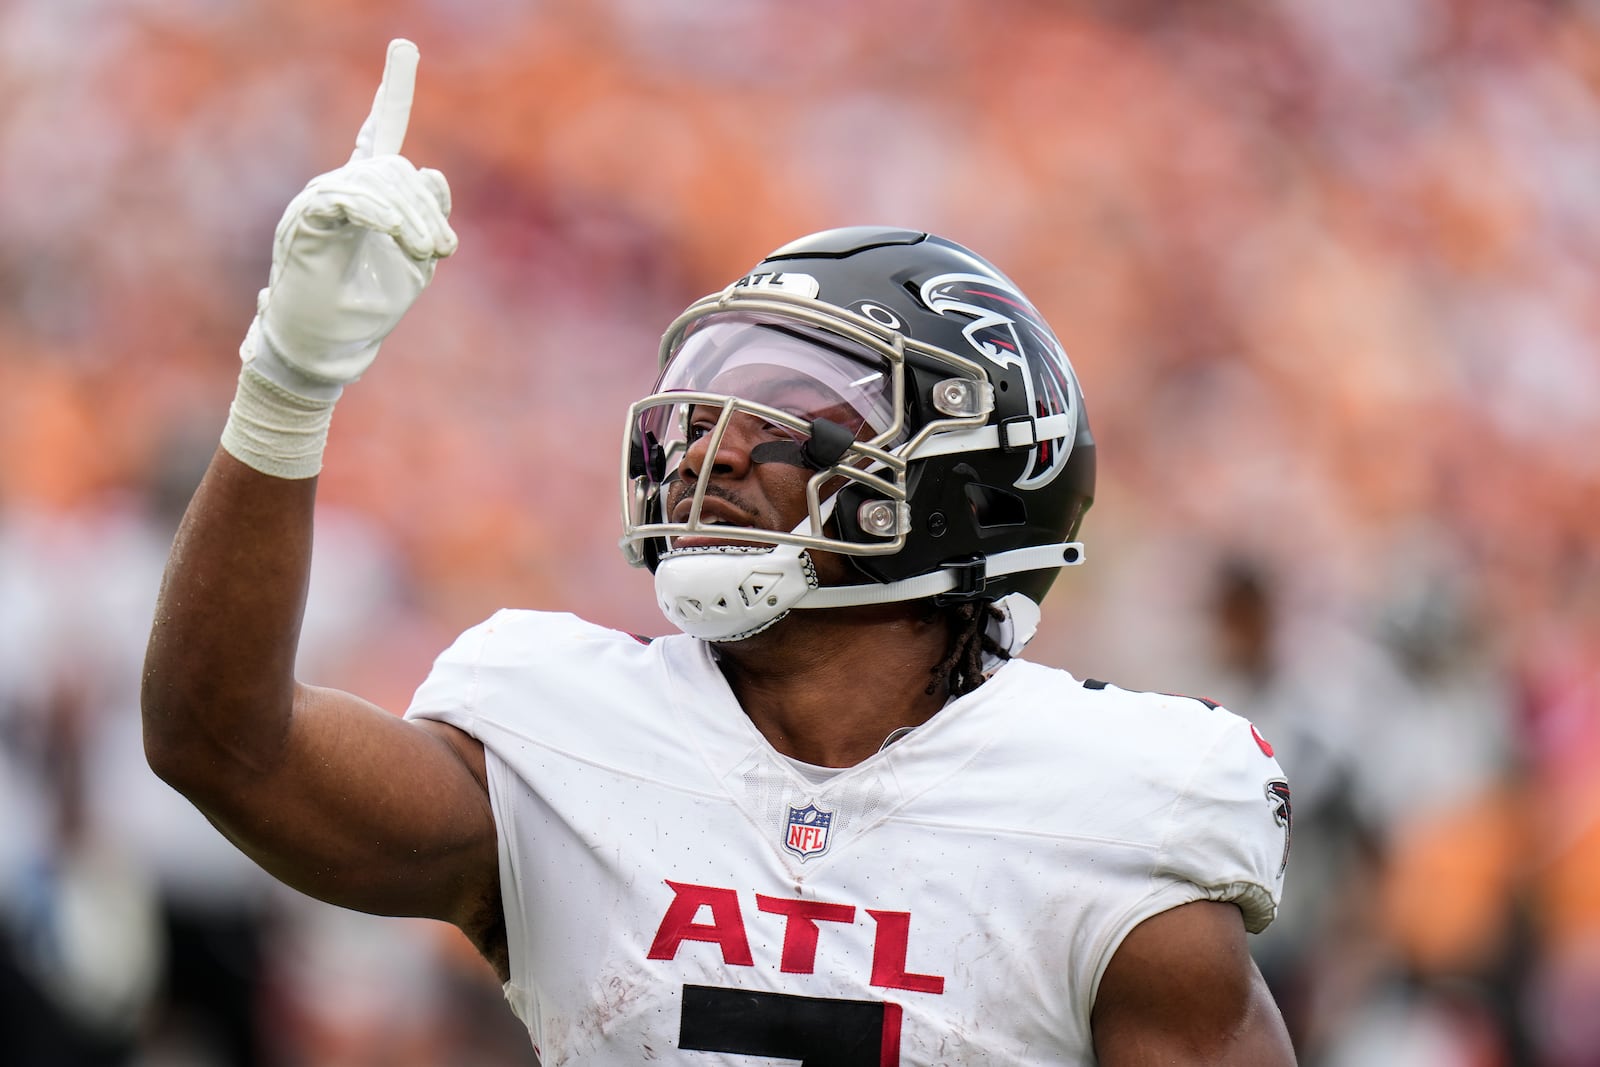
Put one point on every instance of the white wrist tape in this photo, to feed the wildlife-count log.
(273, 430)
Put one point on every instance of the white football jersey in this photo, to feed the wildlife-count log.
(677, 891)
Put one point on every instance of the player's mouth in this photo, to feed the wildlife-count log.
(714, 513)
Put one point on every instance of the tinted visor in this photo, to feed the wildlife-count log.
(800, 372)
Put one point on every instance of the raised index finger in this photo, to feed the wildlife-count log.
(385, 129)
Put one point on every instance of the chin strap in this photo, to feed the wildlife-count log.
(1015, 434)
(731, 592)
(962, 581)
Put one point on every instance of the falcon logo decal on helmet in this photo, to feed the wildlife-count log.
(1005, 329)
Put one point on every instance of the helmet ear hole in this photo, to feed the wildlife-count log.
(993, 506)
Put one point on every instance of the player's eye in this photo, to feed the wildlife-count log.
(698, 424)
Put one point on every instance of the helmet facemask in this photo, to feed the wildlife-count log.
(799, 383)
(810, 401)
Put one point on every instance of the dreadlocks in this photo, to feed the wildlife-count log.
(961, 670)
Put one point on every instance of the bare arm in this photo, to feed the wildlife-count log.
(1183, 990)
(329, 793)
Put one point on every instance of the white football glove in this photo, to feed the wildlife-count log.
(352, 252)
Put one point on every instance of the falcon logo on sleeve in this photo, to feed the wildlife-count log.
(1277, 791)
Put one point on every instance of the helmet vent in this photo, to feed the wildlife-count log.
(757, 586)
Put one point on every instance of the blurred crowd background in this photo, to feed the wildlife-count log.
(1328, 272)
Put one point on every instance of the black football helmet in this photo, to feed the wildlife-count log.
(932, 388)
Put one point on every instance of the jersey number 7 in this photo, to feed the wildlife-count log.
(817, 1031)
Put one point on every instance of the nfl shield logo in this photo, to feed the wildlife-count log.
(807, 834)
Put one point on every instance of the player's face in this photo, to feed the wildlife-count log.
(756, 477)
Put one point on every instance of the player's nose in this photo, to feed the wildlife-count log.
(732, 445)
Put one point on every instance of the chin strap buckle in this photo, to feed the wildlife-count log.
(971, 577)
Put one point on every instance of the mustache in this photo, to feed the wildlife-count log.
(679, 489)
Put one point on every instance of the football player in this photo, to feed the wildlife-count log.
(837, 819)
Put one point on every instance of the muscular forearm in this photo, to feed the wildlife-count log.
(218, 684)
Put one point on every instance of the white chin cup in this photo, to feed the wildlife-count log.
(730, 592)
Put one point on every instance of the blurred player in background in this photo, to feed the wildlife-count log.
(837, 820)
